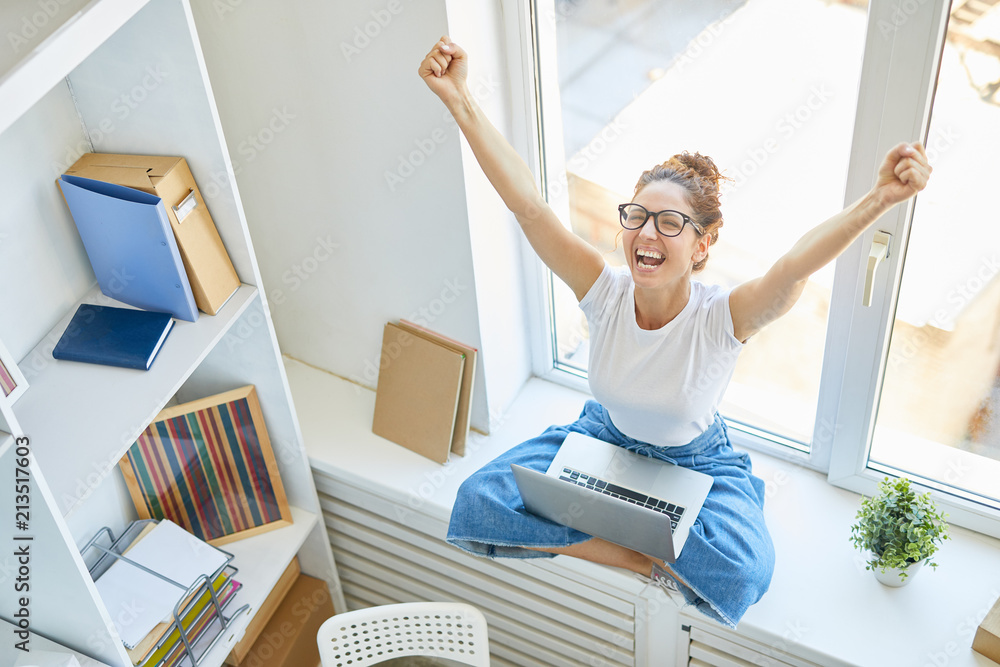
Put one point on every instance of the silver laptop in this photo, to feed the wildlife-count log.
(606, 491)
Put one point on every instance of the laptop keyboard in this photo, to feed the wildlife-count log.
(615, 491)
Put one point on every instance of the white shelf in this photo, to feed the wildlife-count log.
(261, 560)
(110, 406)
(69, 45)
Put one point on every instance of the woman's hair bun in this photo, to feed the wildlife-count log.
(702, 165)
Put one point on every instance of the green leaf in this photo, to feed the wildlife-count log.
(898, 525)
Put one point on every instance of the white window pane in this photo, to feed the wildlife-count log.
(768, 89)
(939, 412)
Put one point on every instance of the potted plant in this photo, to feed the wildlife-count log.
(900, 529)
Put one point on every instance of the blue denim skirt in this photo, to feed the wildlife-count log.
(726, 563)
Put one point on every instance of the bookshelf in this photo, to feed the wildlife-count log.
(6, 442)
(125, 76)
(138, 395)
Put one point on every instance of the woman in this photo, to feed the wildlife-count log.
(663, 349)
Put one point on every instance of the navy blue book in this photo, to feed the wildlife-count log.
(114, 336)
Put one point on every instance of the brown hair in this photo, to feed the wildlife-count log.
(699, 176)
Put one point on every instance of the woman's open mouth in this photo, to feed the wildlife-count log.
(648, 259)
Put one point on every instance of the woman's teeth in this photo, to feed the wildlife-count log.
(649, 258)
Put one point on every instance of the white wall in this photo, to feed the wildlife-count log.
(317, 113)
(46, 261)
(497, 241)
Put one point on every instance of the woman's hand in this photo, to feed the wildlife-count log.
(903, 173)
(444, 69)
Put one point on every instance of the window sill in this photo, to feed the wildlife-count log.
(820, 594)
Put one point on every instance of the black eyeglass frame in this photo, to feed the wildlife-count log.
(656, 220)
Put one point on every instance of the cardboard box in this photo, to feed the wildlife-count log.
(264, 614)
(289, 638)
(987, 640)
(209, 269)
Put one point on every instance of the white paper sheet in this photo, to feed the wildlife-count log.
(135, 599)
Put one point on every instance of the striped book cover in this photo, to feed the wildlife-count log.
(7, 382)
(208, 467)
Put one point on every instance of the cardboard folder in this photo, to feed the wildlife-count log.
(419, 382)
(464, 412)
(131, 248)
(209, 270)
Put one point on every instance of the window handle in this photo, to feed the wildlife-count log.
(878, 252)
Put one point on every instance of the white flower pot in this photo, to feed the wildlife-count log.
(892, 575)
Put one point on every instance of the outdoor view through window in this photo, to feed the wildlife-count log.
(768, 89)
(939, 413)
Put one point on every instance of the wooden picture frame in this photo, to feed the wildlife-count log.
(208, 466)
(12, 382)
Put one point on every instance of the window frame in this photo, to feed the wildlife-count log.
(903, 47)
(898, 109)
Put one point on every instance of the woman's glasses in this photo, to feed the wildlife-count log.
(668, 223)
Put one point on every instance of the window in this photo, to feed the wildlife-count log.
(921, 391)
(643, 80)
(769, 89)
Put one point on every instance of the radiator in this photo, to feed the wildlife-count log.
(717, 647)
(536, 616)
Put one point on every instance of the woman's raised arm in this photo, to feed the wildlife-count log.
(575, 261)
(755, 303)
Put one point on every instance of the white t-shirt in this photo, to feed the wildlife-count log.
(664, 386)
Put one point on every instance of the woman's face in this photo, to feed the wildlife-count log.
(656, 260)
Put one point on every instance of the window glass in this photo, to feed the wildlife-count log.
(939, 412)
(768, 89)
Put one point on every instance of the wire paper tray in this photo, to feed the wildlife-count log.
(196, 623)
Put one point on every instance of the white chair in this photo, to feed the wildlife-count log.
(450, 630)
